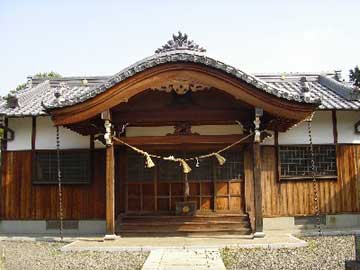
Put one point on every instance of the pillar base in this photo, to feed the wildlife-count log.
(110, 237)
(259, 235)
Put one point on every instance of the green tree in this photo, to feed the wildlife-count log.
(50, 74)
(355, 76)
(21, 86)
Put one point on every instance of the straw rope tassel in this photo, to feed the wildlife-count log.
(220, 158)
(183, 162)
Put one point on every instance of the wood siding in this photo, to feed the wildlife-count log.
(20, 199)
(296, 197)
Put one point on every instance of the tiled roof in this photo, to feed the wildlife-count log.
(330, 97)
(300, 87)
(30, 100)
(84, 93)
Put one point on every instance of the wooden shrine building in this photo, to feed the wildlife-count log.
(180, 143)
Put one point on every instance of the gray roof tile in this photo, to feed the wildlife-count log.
(42, 91)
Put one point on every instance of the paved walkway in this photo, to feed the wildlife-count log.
(271, 240)
(184, 259)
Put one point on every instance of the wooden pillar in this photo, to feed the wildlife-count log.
(257, 175)
(335, 131)
(110, 191)
(257, 191)
(249, 185)
(110, 179)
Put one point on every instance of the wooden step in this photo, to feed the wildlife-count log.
(187, 230)
(201, 224)
(178, 222)
(203, 218)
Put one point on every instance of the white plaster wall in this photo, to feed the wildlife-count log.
(22, 128)
(322, 131)
(202, 130)
(345, 126)
(46, 136)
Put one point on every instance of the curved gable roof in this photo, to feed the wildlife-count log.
(40, 93)
(178, 50)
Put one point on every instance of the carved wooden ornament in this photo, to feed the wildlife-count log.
(181, 86)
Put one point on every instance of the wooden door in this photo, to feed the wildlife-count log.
(156, 190)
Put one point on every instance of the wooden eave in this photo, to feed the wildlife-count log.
(278, 107)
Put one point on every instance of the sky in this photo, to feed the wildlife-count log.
(79, 38)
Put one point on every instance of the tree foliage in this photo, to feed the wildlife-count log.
(50, 74)
(355, 76)
(21, 86)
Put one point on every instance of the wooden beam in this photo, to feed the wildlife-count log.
(106, 115)
(92, 164)
(179, 140)
(257, 190)
(33, 133)
(277, 161)
(334, 122)
(174, 116)
(110, 191)
(4, 142)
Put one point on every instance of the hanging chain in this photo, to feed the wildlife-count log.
(315, 186)
(59, 181)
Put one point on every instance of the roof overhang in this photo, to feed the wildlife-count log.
(154, 77)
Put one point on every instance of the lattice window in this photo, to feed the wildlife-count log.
(169, 171)
(233, 168)
(75, 167)
(136, 169)
(295, 161)
(204, 172)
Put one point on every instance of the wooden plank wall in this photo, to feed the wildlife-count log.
(22, 200)
(296, 197)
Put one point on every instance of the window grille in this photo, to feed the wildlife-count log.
(170, 171)
(205, 170)
(75, 167)
(295, 161)
(137, 170)
(233, 168)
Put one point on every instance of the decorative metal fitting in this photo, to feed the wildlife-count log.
(107, 135)
(258, 114)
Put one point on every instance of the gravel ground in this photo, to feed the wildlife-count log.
(321, 253)
(47, 255)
